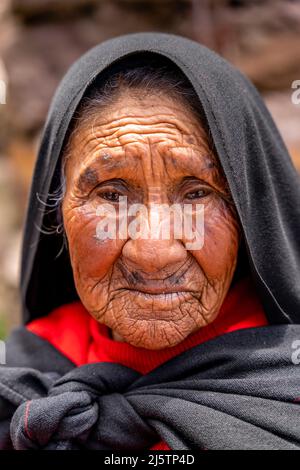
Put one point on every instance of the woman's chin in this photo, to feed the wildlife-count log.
(156, 321)
(152, 334)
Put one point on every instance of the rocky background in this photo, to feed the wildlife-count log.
(39, 39)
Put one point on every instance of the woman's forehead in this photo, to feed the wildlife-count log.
(142, 114)
(133, 139)
(129, 152)
(130, 125)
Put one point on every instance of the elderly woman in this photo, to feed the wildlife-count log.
(137, 341)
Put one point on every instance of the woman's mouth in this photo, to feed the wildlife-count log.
(155, 290)
(161, 295)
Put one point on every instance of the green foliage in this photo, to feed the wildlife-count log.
(3, 327)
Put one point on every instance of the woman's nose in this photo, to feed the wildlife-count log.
(153, 256)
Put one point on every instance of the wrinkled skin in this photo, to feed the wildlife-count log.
(151, 293)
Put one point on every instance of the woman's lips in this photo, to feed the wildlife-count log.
(163, 296)
(156, 304)
(158, 290)
(160, 293)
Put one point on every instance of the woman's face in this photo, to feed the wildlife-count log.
(152, 291)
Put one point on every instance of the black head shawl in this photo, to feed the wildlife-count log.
(238, 391)
(263, 182)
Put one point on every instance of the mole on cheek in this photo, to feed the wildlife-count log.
(211, 236)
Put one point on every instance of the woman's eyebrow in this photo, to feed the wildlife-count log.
(203, 164)
(90, 175)
(87, 178)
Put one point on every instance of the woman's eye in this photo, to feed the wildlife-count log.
(111, 196)
(200, 193)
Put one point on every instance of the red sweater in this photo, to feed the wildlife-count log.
(76, 334)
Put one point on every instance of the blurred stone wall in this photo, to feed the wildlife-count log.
(39, 39)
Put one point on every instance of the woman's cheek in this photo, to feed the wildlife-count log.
(218, 255)
(91, 257)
